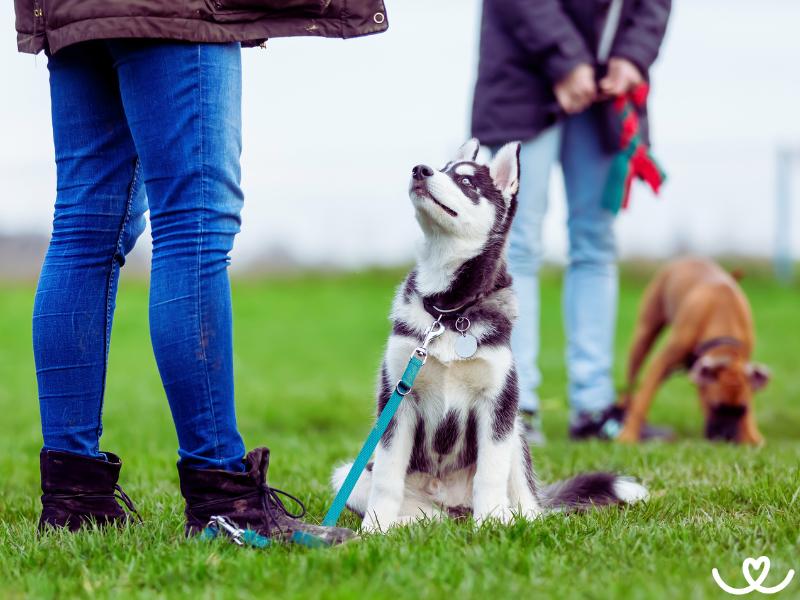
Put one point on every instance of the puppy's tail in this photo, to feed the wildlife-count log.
(357, 502)
(588, 490)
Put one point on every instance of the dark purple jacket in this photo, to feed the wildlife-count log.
(529, 45)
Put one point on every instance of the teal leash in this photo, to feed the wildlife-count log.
(221, 525)
(401, 390)
(224, 527)
(246, 537)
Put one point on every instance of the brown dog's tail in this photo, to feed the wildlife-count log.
(592, 489)
(737, 274)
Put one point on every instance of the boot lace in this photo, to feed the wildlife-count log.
(270, 502)
(118, 494)
(273, 506)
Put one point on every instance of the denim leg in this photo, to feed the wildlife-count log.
(99, 213)
(591, 283)
(183, 106)
(525, 256)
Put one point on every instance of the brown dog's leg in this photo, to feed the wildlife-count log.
(651, 321)
(748, 430)
(686, 328)
(656, 372)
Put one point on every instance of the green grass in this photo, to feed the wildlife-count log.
(307, 351)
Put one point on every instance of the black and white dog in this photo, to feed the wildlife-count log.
(455, 446)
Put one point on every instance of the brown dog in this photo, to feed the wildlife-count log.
(711, 336)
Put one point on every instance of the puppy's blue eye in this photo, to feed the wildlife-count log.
(466, 181)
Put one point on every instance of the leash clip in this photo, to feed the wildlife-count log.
(433, 331)
(225, 525)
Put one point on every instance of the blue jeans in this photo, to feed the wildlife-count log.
(131, 117)
(591, 282)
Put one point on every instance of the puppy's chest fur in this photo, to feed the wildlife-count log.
(450, 391)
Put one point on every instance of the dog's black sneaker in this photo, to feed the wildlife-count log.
(244, 507)
(607, 425)
(79, 490)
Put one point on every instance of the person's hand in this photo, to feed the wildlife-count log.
(577, 90)
(621, 78)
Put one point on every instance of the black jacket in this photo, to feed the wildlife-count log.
(529, 45)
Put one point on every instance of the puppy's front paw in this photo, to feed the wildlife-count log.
(370, 524)
(373, 524)
(531, 514)
(501, 514)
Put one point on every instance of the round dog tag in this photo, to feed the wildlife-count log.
(466, 345)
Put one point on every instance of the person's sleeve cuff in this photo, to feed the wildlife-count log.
(563, 60)
(641, 57)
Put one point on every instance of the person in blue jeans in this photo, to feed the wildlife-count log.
(127, 139)
(545, 74)
(150, 124)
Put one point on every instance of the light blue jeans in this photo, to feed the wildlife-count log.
(591, 281)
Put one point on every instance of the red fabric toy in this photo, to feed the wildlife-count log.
(634, 158)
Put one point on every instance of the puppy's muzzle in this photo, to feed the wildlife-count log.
(421, 172)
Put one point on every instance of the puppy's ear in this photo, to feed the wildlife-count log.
(758, 375)
(706, 369)
(469, 151)
(505, 170)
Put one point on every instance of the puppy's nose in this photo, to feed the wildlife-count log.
(420, 172)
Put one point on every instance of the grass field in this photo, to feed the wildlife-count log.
(307, 350)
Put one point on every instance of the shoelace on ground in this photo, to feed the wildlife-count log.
(270, 499)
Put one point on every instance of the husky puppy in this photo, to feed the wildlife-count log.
(455, 446)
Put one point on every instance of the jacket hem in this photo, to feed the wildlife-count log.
(501, 137)
(189, 30)
(30, 43)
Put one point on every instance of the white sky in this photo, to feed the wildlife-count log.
(333, 127)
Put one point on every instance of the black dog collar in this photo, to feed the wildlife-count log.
(709, 345)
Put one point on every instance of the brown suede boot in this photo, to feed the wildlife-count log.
(248, 506)
(78, 490)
